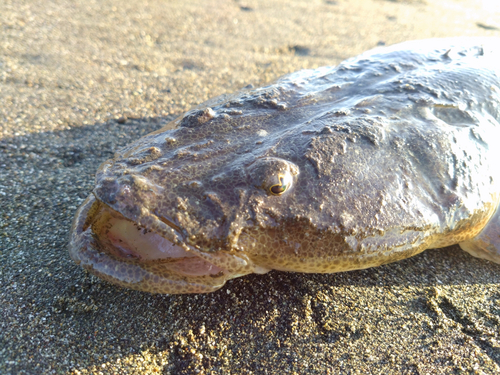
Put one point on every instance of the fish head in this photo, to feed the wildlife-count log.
(168, 211)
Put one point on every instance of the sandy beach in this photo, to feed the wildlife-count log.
(80, 79)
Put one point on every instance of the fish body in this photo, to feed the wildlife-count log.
(333, 169)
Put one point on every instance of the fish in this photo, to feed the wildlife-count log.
(324, 170)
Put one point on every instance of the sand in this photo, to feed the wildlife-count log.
(78, 79)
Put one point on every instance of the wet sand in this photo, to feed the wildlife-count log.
(80, 79)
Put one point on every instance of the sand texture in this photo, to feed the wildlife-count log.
(78, 79)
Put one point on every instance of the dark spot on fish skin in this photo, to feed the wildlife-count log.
(216, 275)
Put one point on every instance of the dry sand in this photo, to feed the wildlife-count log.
(70, 69)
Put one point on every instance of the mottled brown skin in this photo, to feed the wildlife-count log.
(327, 170)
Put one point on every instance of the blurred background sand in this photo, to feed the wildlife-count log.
(79, 79)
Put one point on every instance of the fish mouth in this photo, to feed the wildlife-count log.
(125, 253)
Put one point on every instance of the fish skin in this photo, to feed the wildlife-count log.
(381, 157)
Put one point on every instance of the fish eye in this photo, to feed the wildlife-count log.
(285, 181)
(272, 176)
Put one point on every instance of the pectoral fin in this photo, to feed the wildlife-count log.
(486, 244)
